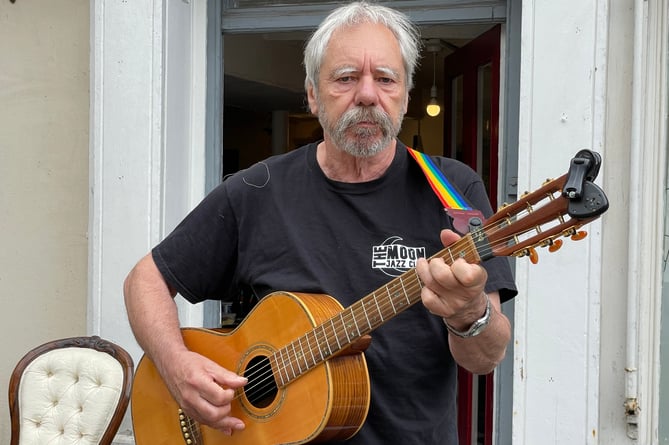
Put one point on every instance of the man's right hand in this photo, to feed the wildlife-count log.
(203, 389)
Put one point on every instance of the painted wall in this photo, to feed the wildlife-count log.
(44, 79)
(593, 75)
(557, 319)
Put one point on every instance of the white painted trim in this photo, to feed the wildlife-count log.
(594, 261)
(557, 326)
(148, 90)
(126, 146)
(193, 315)
(184, 174)
(647, 207)
(519, 426)
(95, 143)
(147, 144)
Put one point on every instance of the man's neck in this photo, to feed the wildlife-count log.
(344, 167)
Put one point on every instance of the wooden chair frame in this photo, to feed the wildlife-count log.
(92, 342)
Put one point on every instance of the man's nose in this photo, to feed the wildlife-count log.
(366, 92)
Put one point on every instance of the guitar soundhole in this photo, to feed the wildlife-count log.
(261, 388)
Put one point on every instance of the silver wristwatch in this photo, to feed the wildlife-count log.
(477, 327)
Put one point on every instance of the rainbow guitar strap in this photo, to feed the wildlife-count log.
(464, 216)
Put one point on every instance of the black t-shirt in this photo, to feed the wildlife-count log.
(283, 225)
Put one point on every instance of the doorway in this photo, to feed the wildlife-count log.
(265, 113)
(471, 135)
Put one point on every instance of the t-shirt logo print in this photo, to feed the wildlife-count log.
(393, 259)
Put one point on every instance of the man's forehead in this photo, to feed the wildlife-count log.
(352, 46)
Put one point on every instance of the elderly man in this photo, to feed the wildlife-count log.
(319, 219)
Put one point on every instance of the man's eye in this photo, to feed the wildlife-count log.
(386, 80)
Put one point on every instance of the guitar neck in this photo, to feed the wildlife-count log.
(361, 318)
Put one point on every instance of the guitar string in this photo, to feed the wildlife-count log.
(396, 284)
(294, 359)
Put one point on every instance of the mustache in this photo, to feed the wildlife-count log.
(358, 115)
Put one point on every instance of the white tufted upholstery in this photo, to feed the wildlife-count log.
(69, 395)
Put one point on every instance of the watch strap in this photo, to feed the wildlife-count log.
(477, 327)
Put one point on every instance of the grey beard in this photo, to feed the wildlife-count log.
(364, 143)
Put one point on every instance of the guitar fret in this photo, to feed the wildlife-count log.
(378, 308)
(334, 333)
(290, 362)
(284, 368)
(276, 366)
(302, 354)
(356, 324)
(395, 294)
(325, 339)
(364, 310)
(318, 345)
(420, 283)
(305, 357)
(297, 358)
(311, 350)
(376, 319)
(405, 291)
(341, 317)
(390, 298)
(279, 367)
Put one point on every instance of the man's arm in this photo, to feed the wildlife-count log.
(456, 294)
(482, 353)
(202, 388)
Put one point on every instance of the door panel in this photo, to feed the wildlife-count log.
(471, 94)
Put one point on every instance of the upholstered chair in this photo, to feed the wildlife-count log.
(70, 391)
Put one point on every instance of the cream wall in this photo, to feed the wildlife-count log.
(44, 103)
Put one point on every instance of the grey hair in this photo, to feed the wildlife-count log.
(356, 13)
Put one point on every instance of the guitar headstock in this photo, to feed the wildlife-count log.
(559, 208)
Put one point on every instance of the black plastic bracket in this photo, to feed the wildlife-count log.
(586, 199)
(584, 167)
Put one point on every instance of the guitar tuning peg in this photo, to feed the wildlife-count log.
(555, 245)
(579, 235)
(534, 256)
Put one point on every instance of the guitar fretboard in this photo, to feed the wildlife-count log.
(341, 331)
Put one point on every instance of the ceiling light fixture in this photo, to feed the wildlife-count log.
(433, 108)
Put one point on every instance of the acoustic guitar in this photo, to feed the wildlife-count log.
(303, 353)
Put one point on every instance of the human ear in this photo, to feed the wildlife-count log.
(312, 100)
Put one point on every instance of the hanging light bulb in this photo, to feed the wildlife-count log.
(433, 108)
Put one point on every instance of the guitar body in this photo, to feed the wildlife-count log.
(329, 402)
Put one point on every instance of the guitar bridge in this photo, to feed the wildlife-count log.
(190, 429)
